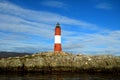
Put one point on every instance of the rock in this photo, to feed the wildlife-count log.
(49, 61)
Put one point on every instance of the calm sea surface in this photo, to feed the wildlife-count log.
(64, 76)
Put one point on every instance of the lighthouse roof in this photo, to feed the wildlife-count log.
(58, 25)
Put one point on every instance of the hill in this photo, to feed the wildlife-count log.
(12, 54)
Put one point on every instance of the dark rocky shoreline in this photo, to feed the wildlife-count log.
(57, 63)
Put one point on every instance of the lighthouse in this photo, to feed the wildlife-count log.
(57, 43)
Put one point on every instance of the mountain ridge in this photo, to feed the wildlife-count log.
(5, 54)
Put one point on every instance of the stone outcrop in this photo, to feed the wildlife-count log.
(50, 62)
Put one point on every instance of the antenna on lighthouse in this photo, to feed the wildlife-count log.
(57, 43)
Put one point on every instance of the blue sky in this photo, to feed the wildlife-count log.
(88, 26)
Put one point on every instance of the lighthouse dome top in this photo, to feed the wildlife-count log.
(58, 25)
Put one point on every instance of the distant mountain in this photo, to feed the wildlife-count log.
(12, 54)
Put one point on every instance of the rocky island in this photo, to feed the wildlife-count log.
(64, 62)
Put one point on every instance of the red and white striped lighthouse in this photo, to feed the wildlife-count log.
(57, 45)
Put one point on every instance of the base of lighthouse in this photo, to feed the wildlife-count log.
(57, 48)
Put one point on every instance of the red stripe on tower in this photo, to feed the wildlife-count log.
(57, 45)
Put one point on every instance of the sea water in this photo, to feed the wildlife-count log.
(62, 76)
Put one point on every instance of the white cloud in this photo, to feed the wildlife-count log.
(16, 19)
(105, 6)
(53, 3)
(97, 43)
(22, 43)
(41, 16)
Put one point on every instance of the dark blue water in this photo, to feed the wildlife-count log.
(65, 76)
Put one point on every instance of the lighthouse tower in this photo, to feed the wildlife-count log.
(57, 43)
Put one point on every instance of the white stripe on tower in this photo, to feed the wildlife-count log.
(57, 39)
